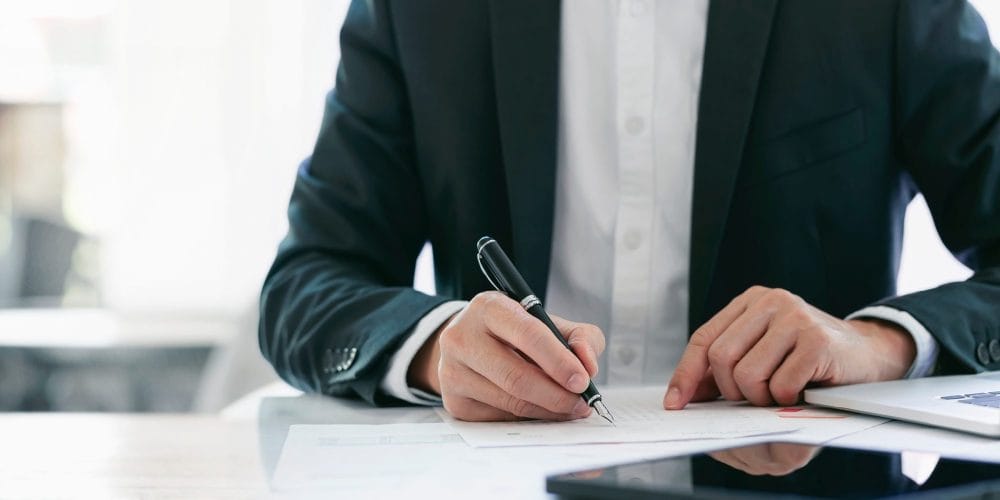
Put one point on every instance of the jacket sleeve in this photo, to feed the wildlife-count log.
(338, 299)
(948, 136)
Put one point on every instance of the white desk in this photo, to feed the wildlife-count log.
(189, 456)
(128, 456)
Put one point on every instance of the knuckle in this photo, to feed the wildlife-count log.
(799, 317)
(756, 290)
(784, 297)
(564, 402)
(596, 336)
(519, 407)
(745, 372)
(774, 299)
(489, 301)
(721, 356)
(768, 300)
(584, 332)
(514, 381)
(576, 343)
(701, 337)
(481, 300)
(816, 338)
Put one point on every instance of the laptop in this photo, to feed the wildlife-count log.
(967, 403)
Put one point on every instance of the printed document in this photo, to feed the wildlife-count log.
(640, 417)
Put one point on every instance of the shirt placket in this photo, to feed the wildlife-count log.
(636, 183)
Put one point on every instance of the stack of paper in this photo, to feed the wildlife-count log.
(504, 459)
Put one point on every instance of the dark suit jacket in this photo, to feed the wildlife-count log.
(819, 121)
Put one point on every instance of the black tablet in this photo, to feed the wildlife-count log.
(786, 470)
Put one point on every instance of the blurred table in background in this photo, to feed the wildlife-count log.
(97, 360)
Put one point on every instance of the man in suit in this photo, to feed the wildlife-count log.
(710, 188)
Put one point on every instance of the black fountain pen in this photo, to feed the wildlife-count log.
(502, 274)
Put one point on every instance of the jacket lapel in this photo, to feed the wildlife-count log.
(735, 46)
(526, 71)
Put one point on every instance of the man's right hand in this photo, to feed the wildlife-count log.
(494, 361)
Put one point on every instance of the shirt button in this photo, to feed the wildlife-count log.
(328, 362)
(983, 353)
(638, 8)
(633, 239)
(626, 355)
(995, 350)
(635, 125)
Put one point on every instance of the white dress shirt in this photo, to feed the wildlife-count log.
(628, 112)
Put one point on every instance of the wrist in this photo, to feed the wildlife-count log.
(891, 345)
(423, 371)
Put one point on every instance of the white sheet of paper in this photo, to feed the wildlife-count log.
(369, 458)
(640, 417)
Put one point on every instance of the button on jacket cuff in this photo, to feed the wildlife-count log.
(394, 382)
(927, 347)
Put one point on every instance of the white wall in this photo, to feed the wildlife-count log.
(926, 262)
(216, 104)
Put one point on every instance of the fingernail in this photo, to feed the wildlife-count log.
(581, 408)
(577, 383)
(673, 398)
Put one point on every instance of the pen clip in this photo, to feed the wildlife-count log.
(488, 274)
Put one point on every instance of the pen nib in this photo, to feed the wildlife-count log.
(603, 411)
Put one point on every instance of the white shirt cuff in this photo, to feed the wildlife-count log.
(927, 347)
(394, 382)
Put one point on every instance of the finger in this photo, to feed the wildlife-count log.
(707, 390)
(694, 362)
(755, 370)
(727, 457)
(727, 351)
(778, 459)
(470, 410)
(508, 321)
(795, 372)
(587, 342)
(759, 459)
(515, 377)
(477, 387)
(793, 456)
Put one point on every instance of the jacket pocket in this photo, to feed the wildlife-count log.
(806, 146)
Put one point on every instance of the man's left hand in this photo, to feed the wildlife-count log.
(768, 344)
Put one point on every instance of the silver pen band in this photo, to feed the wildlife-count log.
(530, 301)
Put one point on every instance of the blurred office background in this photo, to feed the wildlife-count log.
(147, 151)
